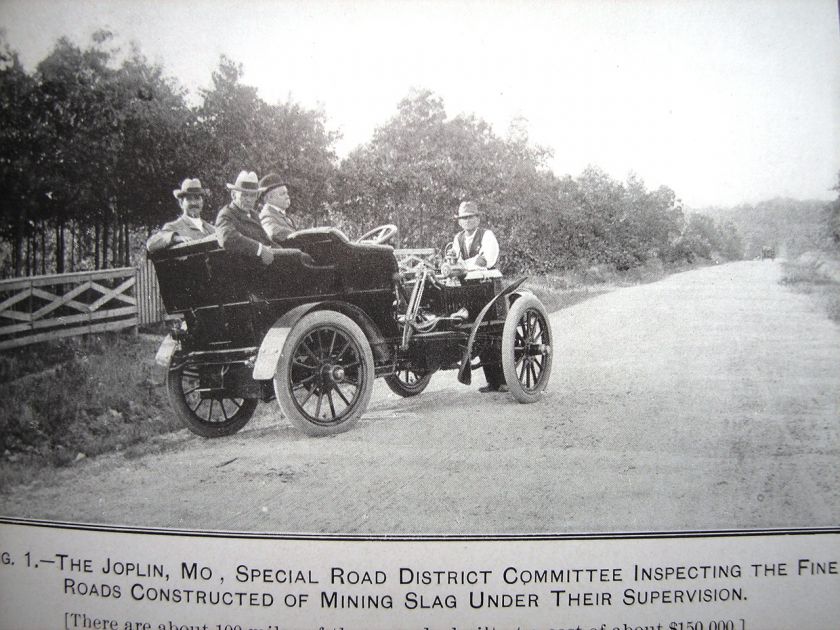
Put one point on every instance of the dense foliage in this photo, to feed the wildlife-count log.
(95, 139)
(792, 227)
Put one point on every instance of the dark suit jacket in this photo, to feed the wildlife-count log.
(239, 231)
(277, 225)
(180, 226)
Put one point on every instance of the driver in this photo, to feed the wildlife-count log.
(238, 225)
(274, 215)
(475, 247)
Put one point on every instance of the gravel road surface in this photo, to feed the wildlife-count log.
(708, 400)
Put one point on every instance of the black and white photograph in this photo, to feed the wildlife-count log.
(421, 269)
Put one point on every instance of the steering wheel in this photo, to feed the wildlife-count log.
(379, 235)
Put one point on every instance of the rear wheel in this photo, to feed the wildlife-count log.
(325, 374)
(408, 382)
(208, 417)
(526, 349)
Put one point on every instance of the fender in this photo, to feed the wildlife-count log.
(465, 371)
(271, 348)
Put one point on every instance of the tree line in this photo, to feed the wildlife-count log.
(93, 141)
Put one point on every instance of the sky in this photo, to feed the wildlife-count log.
(725, 102)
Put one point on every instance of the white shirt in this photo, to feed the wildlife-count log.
(489, 250)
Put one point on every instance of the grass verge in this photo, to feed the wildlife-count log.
(804, 276)
(104, 393)
(558, 291)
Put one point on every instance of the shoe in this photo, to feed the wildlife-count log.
(493, 388)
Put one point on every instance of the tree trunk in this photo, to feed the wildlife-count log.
(72, 246)
(19, 238)
(59, 246)
(105, 236)
(96, 233)
(127, 234)
(43, 250)
(116, 244)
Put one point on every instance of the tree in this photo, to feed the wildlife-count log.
(18, 179)
(421, 164)
(236, 130)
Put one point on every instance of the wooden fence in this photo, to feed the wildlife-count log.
(150, 308)
(63, 305)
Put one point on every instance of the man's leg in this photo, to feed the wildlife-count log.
(494, 374)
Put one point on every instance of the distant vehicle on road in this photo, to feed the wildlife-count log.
(328, 316)
(768, 252)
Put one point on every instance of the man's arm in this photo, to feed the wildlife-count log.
(160, 240)
(489, 249)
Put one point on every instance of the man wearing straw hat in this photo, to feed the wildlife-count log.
(238, 225)
(475, 247)
(189, 226)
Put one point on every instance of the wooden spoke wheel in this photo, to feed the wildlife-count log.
(208, 417)
(408, 382)
(526, 349)
(325, 375)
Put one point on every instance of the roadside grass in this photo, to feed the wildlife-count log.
(104, 394)
(804, 276)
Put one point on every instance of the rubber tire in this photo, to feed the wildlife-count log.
(196, 424)
(282, 384)
(401, 388)
(524, 303)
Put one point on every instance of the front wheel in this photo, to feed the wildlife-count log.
(408, 382)
(324, 378)
(526, 349)
(207, 417)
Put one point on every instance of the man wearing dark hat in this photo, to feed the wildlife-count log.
(238, 225)
(274, 214)
(475, 247)
(189, 226)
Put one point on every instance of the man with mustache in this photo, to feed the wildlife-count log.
(189, 226)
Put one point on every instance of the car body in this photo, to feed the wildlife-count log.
(328, 316)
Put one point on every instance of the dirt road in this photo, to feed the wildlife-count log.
(708, 400)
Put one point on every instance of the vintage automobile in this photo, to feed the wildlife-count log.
(328, 316)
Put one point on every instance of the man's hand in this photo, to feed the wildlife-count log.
(267, 255)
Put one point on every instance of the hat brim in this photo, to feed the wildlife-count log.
(235, 187)
(467, 216)
(178, 193)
